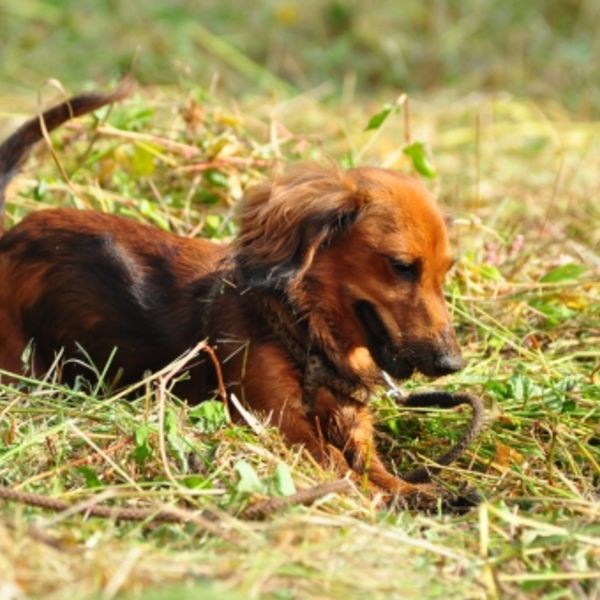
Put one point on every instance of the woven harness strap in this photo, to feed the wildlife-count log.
(316, 373)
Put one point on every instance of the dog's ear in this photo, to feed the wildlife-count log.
(284, 223)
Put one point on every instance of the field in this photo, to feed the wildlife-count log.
(512, 149)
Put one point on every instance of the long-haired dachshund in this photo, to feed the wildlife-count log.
(334, 277)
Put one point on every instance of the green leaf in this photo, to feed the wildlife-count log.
(176, 441)
(142, 446)
(490, 272)
(143, 161)
(197, 482)
(283, 482)
(212, 223)
(40, 189)
(566, 272)
(420, 160)
(347, 161)
(339, 16)
(209, 416)
(171, 424)
(522, 388)
(554, 311)
(249, 482)
(498, 388)
(394, 426)
(153, 212)
(377, 120)
(205, 196)
(217, 178)
(91, 479)
(129, 118)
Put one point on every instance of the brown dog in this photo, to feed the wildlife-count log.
(333, 277)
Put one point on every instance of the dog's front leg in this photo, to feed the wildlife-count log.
(348, 425)
(271, 385)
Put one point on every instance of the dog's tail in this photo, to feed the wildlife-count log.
(15, 149)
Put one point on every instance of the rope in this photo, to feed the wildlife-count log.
(446, 400)
(258, 510)
(107, 512)
(262, 509)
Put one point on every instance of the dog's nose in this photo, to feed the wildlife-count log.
(447, 362)
(447, 358)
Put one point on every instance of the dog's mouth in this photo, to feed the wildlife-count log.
(387, 355)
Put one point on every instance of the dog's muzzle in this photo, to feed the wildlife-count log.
(434, 357)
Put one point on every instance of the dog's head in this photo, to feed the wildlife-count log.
(362, 254)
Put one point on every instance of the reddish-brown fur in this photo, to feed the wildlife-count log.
(358, 256)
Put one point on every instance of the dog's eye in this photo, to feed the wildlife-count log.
(409, 271)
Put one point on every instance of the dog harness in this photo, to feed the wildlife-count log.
(316, 373)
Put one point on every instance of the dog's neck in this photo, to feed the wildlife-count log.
(290, 328)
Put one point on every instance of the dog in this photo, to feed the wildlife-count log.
(334, 277)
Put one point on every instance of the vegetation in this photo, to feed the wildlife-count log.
(518, 172)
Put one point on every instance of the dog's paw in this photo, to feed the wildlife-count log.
(430, 499)
(461, 501)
